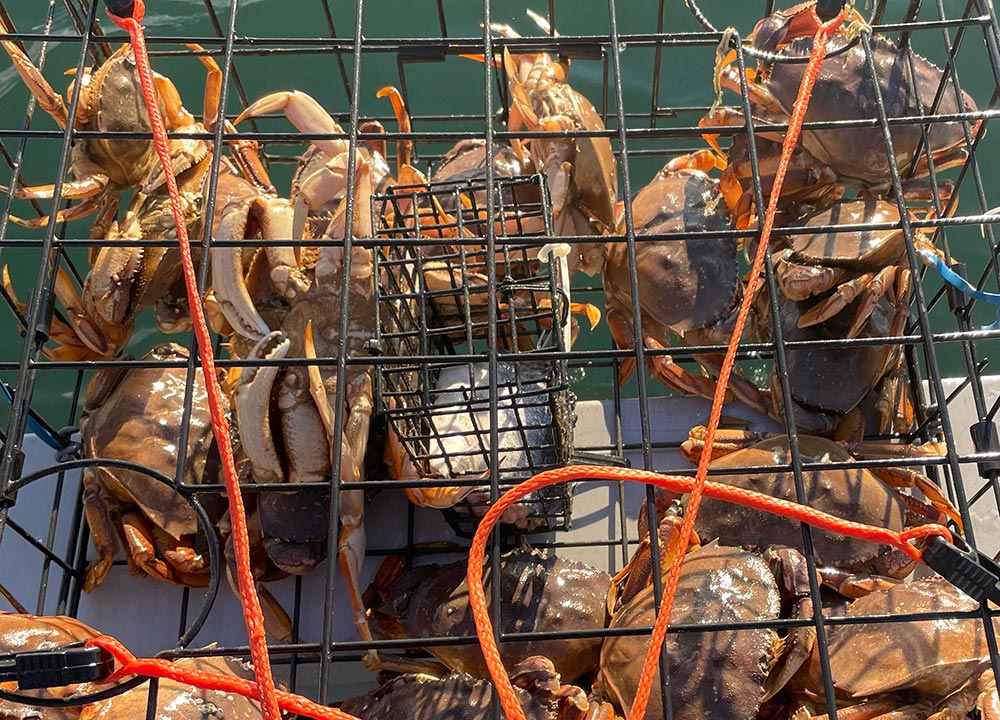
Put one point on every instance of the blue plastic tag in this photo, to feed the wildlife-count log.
(951, 277)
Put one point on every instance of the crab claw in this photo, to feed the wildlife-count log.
(252, 403)
(305, 113)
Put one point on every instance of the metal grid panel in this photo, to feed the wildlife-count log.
(360, 51)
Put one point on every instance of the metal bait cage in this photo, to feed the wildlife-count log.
(434, 308)
(44, 543)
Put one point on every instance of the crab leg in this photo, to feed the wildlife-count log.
(351, 540)
(743, 390)
(86, 329)
(244, 151)
(86, 187)
(894, 407)
(869, 288)
(623, 335)
(898, 477)
(404, 147)
(677, 378)
(69, 214)
(103, 533)
(49, 100)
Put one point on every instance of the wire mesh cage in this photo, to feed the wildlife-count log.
(434, 302)
(109, 467)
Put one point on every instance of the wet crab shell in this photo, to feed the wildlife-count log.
(844, 91)
(849, 492)
(459, 696)
(930, 657)
(817, 374)
(683, 284)
(861, 250)
(537, 593)
(177, 701)
(719, 675)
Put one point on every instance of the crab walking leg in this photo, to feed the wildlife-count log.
(743, 390)
(638, 573)
(99, 339)
(404, 147)
(90, 206)
(351, 540)
(141, 550)
(623, 334)
(898, 477)
(894, 407)
(87, 187)
(244, 152)
(729, 441)
(103, 533)
(49, 100)
(677, 378)
(868, 289)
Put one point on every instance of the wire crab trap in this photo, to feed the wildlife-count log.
(435, 303)
(837, 334)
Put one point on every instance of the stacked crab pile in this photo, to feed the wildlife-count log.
(293, 288)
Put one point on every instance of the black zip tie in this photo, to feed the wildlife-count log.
(71, 448)
(121, 8)
(974, 573)
(986, 440)
(58, 667)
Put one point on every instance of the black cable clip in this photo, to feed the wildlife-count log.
(974, 573)
(58, 667)
(827, 9)
(121, 8)
(986, 440)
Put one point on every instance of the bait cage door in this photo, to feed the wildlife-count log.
(647, 69)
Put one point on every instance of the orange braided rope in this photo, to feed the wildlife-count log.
(699, 485)
(156, 667)
(253, 616)
(674, 483)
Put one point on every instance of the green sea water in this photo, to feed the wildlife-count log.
(435, 89)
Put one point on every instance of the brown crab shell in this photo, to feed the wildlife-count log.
(713, 674)
(849, 492)
(931, 657)
(537, 593)
(177, 701)
(844, 90)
